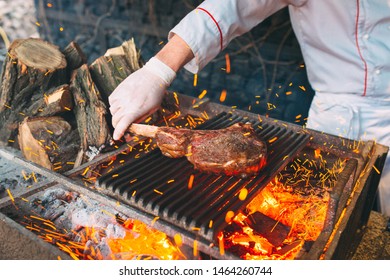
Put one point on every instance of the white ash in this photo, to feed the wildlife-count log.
(75, 212)
(12, 178)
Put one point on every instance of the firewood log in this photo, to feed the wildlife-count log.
(90, 111)
(109, 70)
(55, 101)
(32, 67)
(50, 142)
(74, 55)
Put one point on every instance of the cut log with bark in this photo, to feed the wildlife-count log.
(50, 142)
(32, 67)
(55, 101)
(90, 111)
(109, 70)
(74, 55)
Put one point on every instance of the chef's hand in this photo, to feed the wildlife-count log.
(140, 94)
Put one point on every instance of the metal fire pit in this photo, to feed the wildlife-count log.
(212, 196)
(351, 199)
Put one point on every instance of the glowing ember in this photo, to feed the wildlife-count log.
(296, 202)
(94, 232)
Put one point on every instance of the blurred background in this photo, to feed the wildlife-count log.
(267, 75)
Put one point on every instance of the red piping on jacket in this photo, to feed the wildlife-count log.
(216, 23)
(358, 47)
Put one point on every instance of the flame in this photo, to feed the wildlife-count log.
(292, 200)
(137, 241)
(142, 240)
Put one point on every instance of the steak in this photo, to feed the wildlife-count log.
(233, 151)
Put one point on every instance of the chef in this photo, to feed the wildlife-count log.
(346, 49)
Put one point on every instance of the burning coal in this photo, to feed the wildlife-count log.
(86, 229)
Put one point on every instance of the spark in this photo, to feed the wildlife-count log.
(85, 171)
(195, 248)
(227, 59)
(158, 192)
(271, 106)
(243, 194)
(273, 139)
(222, 97)
(10, 195)
(376, 169)
(221, 244)
(191, 181)
(229, 216)
(178, 240)
(176, 97)
(154, 220)
(195, 80)
(202, 94)
(34, 177)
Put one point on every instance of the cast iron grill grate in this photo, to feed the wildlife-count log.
(158, 185)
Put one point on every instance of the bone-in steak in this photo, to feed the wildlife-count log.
(236, 150)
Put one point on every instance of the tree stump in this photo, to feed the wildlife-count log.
(50, 142)
(31, 68)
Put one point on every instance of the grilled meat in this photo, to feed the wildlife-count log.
(236, 150)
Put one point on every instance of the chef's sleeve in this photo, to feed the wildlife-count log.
(210, 27)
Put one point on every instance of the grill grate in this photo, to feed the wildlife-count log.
(159, 185)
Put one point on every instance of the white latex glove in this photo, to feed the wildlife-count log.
(140, 94)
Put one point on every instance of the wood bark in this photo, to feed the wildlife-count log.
(74, 55)
(109, 70)
(90, 111)
(57, 100)
(50, 142)
(32, 67)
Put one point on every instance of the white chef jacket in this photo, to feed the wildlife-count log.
(346, 48)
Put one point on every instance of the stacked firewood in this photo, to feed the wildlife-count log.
(54, 106)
